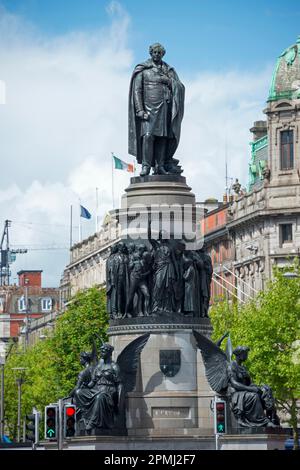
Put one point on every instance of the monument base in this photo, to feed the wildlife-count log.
(171, 398)
(196, 442)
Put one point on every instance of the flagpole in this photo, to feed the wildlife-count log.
(96, 218)
(71, 225)
(112, 180)
(79, 226)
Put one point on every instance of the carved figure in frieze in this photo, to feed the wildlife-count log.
(139, 268)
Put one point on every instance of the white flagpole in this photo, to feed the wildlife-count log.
(71, 226)
(112, 180)
(80, 232)
(96, 218)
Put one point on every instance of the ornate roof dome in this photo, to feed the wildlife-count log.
(286, 76)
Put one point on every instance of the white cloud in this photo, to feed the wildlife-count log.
(66, 112)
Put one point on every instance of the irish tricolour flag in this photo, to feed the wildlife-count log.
(120, 165)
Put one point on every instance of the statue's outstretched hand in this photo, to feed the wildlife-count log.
(142, 115)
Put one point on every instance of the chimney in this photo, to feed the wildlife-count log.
(259, 130)
(30, 278)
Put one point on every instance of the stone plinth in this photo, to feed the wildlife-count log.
(157, 190)
(272, 441)
(164, 404)
(192, 440)
(160, 405)
(135, 443)
(166, 200)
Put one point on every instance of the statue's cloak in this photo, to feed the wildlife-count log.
(134, 123)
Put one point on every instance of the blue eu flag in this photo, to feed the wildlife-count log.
(84, 213)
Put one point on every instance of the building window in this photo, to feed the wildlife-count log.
(22, 304)
(287, 150)
(46, 304)
(286, 233)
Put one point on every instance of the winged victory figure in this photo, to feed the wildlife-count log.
(101, 401)
(252, 405)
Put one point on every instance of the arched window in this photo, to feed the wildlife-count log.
(287, 150)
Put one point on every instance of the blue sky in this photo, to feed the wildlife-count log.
(201, 34)
(66, 65)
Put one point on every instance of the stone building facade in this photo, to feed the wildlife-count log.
(265, 225)
(87, 265)
(261, 227)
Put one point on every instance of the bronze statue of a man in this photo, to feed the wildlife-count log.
(156, 106)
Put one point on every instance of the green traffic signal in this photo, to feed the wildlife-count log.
(50, 433)
(51, 422)
(220, 416)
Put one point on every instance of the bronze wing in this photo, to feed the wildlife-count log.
(128, 361)
(215, 362)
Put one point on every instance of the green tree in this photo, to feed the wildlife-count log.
(52, 365)
(270, 326)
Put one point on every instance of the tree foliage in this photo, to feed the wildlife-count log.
(52, 365)
(270, 326)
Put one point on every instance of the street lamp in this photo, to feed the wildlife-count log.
(2, 363)
(19, 380)
(293, 275)
(27, 324)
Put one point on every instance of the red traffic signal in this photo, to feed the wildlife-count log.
(70, 410)
(220, 406)
(69, 420)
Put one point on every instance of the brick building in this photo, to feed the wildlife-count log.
(219, 246)
(20, 304)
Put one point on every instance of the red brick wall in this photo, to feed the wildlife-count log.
(16, 325)
(215, 221)
(34, 279)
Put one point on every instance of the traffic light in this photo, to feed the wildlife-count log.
(220, 416)
(51, 422)
(33, 427)
(69, 420)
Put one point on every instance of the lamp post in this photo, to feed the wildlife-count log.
(2, 362)
(26, 281)
(19, 380)
(293, 275)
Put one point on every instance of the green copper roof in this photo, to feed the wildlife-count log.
(286, 76)
(259, 159)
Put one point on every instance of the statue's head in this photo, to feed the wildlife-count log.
(131, 247)
(241, 352)
(122, 248)
(142, 248)
(85, 357)
(114, 249)
(157, 51)
(106, 350)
